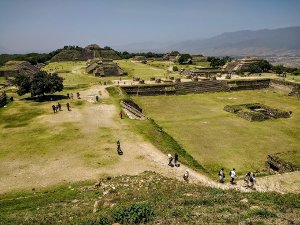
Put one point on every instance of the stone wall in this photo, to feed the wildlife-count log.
(276, 164)
(209, 86)
(284, 85)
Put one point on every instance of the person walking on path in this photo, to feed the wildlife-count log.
(54, 108)
(247, 179)
(232, 176)
(59, 106)
(68, 106)
(170, 159)
(186, 176)
(252, 180)
(97, 98)
(221, 176)
(121, 114)
(176, 159)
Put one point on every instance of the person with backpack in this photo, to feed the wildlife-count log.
(54, 108)
(247, 179)
(221, 176)
(232, 175)
(176, 160)
(252, 180)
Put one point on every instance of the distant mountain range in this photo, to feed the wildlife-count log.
(266, 42)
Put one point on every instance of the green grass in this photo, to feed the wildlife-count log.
(168, 201)
(2, 80)
(23, 132)
(144, 71)
(216, 138)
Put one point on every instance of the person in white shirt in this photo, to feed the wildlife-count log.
(232, 176)
(186, 175)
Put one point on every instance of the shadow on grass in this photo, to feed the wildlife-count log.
(46, 98)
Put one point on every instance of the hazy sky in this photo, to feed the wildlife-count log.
(43, 25)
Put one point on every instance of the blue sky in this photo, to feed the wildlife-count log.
(44, 25)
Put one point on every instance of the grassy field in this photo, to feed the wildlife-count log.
(22, 138)
(73, 73)
(216, 138)
(148, 196)
(144, 71)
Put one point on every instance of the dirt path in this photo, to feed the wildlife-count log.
(139, 155)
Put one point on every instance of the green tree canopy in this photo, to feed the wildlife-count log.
(38, 84)
(185, 58)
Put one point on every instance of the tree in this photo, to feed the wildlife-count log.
(217, 62)
(254, 68)
(40, 83)
(278, 69)
(185, 58)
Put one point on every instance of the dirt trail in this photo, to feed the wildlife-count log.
(139, 155)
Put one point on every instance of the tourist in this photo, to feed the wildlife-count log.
(246, 179)
(121, 114)
(221, 176)
(68, 106)
(97, 98)
(78, 95)
(59, 106)
(71, 95)
(54, 108)
(170, 159)
(68, 95)
(232, 176)
(120, 152)
(176, 159)
(186, 176)
(252, 180)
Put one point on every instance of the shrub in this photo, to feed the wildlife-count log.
(262, 213)
(175, 68)
(134, 214)
(104, 221)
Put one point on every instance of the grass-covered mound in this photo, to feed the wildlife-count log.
(147, 198)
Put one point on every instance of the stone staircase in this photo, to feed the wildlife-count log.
(201, 87)
(132, 112)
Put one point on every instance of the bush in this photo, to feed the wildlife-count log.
(134, 214)
(175, 68)
(104, 221)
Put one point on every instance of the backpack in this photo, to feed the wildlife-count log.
(251, 179)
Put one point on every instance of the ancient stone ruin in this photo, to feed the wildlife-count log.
(103, 68)
(239, 64)
(140, 58)
(12, 68)
(132, 110)
(256, 112)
